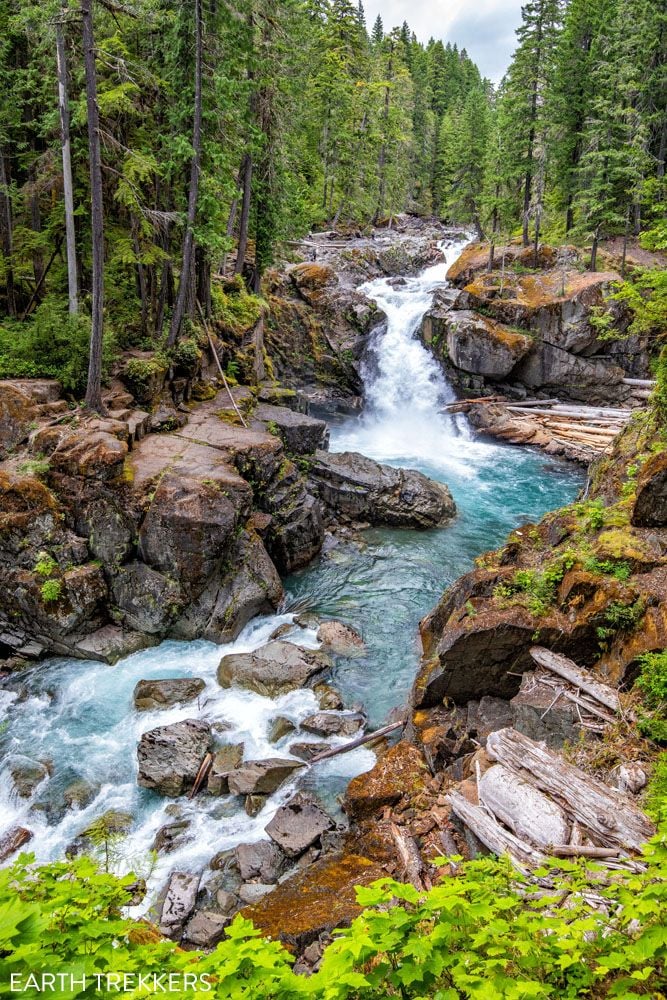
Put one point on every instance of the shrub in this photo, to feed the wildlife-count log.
(51, 591)
(45, 565)
(652, 682)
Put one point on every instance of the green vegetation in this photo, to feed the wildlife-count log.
(51, 591)
(652, 682)
(535, 589)
(620, 617)
(45, 565)
(483, 932)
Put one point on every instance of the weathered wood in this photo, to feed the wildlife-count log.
(408, 852)
(606, 814)
(583, 851)
(202, 774)
(582, 679)
(644, 383)
(529, 813)
(359, 741)
(492, 834)
(576, 412)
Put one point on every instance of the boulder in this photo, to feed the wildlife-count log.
(650, 508)
(262, 862)
(90, 454)
(14, 840)
(170, 756)
(481, 346)
(225, 761)
(149, 600)
(315, 900)
(298, 824)
(156, 694)
(312, 280)
(111, 824)
(328, 697)
(17, 413)
(333, 724)
(273, 669)
(253, 804)
(261, 777)
(401, 770)
(535, 714)
(205, 929)
(79, 794)
(252, 892)
(357, 489)
(188, 529)
(306, 751)
(179, 898)
(295, 532)
(171, 836)
(341, 639)
(487, 716)
(299, 433)
(280, 727)
(27, 774)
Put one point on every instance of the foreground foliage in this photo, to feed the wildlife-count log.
(483, 932)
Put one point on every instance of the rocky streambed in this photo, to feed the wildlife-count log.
(257, 576)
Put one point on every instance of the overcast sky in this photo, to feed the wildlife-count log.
(484, 27)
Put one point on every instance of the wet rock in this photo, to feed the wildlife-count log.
(295, 532)
(357, 489)
(263, 861)
(79, 794)
(180, 898)
(402, 770)
(280, 727)
(171, 836)
(111, 643)
(225, 761)
(14, 840)
(254, 891)
(315, 900)
(226, 901)
(110, 825)
(205, 928)
(298, 824)
(261, 777)
(273, 669)
(650, 509)
(333, 724)
(27, 774)
(328, 697)
(254, 804)
(481, 346)
(170, 756)
(300, 434)
(226, 865)
(341, 639)
(156, 694)
(306, 751)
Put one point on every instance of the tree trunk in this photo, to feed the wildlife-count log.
(6, 224)
(594, 250)
(68, 189)
(247, 168)
(94, 388)
(185, 283)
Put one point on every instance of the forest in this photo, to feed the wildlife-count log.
(148, 146)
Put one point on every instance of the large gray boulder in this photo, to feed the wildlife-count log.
(481, 346)
(273, 669)
(156, 694)
(333, 723)
(179, 898)
(261, 777)
(355, 488)
(225, 761)
(170, 756)
(298, 824)
(263, 861)
(299, 433)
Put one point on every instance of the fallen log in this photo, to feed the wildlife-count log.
(411, 859)
(494, 836)
(558, 664)
(607, 815)
(529, 813)
(644, 383)
(581, 413)
(202, 774)
(583, 851)
(359, 741)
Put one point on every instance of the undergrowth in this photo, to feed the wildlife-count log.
(484, 933)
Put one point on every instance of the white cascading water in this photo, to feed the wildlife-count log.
(405, 389)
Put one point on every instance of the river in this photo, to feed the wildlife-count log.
(78, 716)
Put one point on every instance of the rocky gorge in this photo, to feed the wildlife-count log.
(186, 512)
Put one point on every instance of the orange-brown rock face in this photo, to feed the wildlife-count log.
(400, 771)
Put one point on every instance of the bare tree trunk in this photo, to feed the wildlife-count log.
(6, 225)
(185, 283)
(94, 388)
(247, 168)
(594, 249)
(68, 190)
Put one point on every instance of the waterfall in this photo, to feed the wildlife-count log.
(405, 388)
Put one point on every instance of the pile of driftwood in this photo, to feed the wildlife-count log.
(566, 423)
(532, 804)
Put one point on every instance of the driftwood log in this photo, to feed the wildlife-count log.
(606, 815)
(494, 836)
(582, 679)
(529, 814)
(411, 860)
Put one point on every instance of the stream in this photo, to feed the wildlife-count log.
(78, 716)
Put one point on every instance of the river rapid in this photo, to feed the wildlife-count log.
(79, 716)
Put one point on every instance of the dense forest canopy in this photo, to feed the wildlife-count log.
(205, 133)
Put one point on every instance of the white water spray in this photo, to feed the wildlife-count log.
(405, 388)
